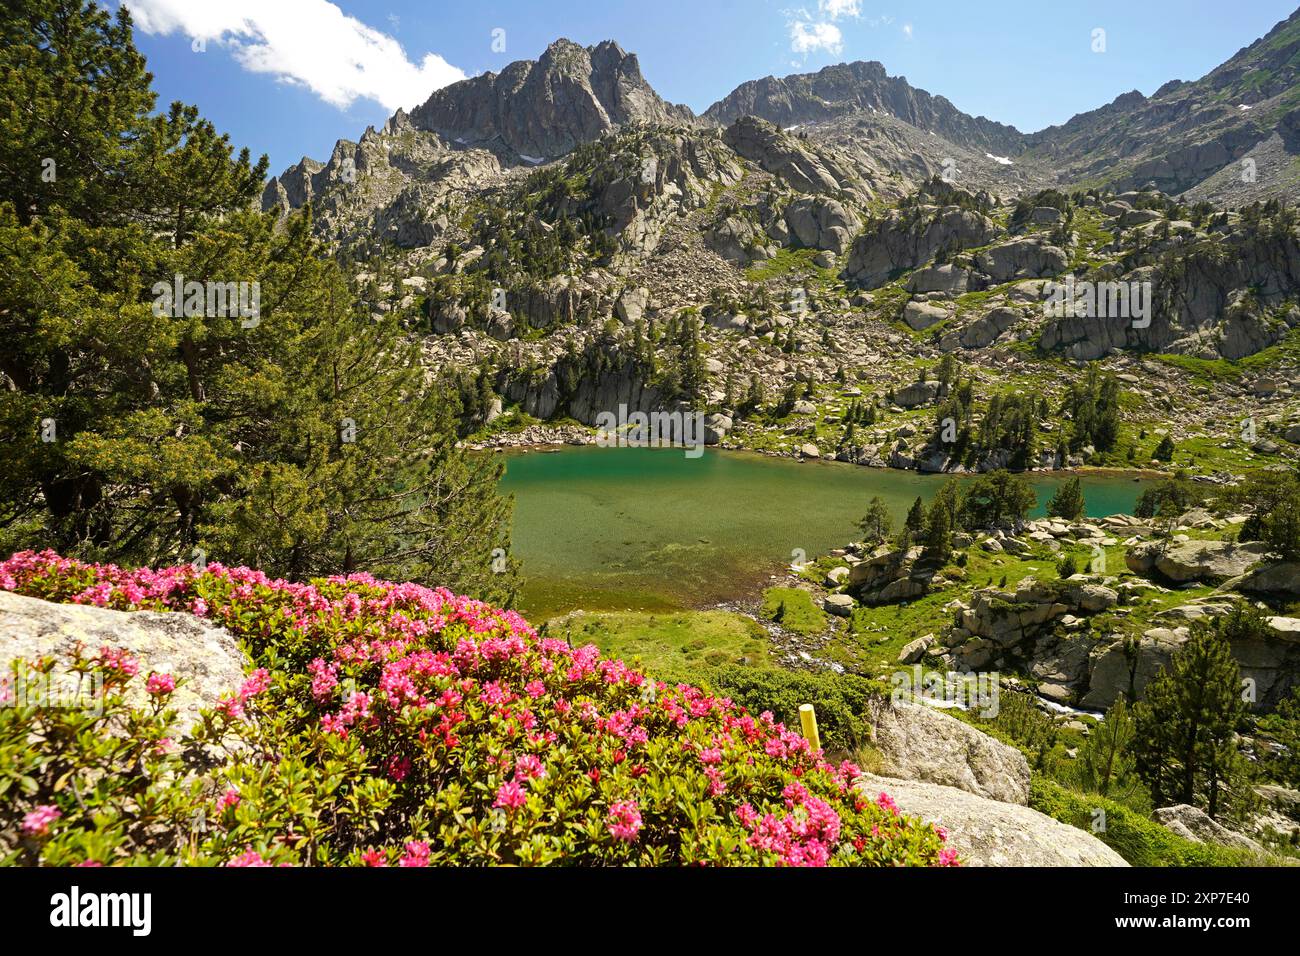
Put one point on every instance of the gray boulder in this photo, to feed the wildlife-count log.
(917, 742)
(1192, 823)
(981, 333)
(991, 833)
(1181, 561)
(922, 315)
(204, 659)
(1022, 259)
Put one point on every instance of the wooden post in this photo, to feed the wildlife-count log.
(808, 718)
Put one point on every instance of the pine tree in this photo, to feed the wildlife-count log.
(878, 524)
(1105, 760)
(299, 436)
(938, 535)
(915, 522)
(1068, 502)
(1185, 737)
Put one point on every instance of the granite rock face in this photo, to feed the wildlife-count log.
(991, 833)
(542, 109)
(917, 742)
(204, 659)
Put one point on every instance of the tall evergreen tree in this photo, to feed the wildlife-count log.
(1068, 501)
(878, 524)
(1185, 725)
(297, 435)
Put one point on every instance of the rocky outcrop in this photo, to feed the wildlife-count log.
(1182, 561)
(1224, 299)
(904, 240)
(1192, 823)
(861, 87)
(204, 659)
(888, 576)
(992, 833)
(917, 742)
(981, 333)
(1021, 259)
(783, 156)
(542, 109)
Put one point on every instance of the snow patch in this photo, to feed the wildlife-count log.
(1000, 160)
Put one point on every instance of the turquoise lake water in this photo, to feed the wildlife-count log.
(650, 529)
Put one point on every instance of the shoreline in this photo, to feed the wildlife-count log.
(576, 440)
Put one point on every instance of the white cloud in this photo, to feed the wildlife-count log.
(810, 37)
(309, 43)
(834, 9)
(907, 30)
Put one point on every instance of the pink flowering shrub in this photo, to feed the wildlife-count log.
(395, 725)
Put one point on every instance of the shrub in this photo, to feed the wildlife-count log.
(394, 724)
(844, 702)
(1140, 841)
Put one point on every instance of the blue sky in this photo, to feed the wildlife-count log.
(289, 77)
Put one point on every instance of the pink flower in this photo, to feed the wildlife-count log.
(258, 682)
(529, 766)
(118, 660)
(374, 858)
(624, 821)
(948, 857)
(249, 858)
(228, 800)
(37, 822)
(886, 802)
(510, 796)
(160, 685)
(417, 854)
(232, 708)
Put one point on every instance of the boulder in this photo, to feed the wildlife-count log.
(1021, 259)
(1181, 561)
(632, 305)
(946, 278)
(1193, 823)
(922, 315)
(917, 742)
(991, 833)
(913, 651)
(204, 659)
(841, 605)
(916, 394)
(1279, 577)
(981, 333)
(1126, 667)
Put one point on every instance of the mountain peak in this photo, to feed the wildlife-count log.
(540, 109)
(860, 87)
